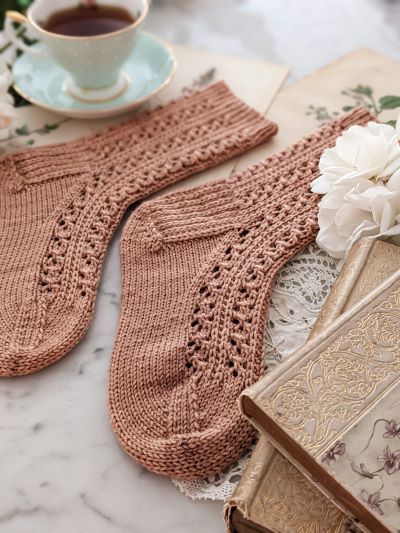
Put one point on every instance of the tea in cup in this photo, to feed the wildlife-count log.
(90, 39)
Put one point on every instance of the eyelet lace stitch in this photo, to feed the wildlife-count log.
(238, 341)
(53, 263)
(299, 292)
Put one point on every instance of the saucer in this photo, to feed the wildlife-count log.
(41, 81)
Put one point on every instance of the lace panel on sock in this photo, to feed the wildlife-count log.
(123, 180)
(266, 241)
(297, 296)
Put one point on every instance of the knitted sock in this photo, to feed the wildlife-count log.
(60, 204)
(197, 270)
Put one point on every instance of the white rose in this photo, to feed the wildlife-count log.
(360, 180)
(370, 152)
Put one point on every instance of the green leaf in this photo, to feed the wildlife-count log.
(24, 4)
(391, 123)
(50, 127)
(30, 142)
(389, 102)
(347, 108)
(23, 130)
(47, 128)
(362, 89)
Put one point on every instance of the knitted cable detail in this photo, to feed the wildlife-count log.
(197, 271)
(60, 204)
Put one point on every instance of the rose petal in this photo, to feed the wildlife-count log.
(394, 230)
(334, 199)
(347, 218)
(359, 174)
(386, 131)
(386, 217)
(393, 184)
(393, 158)
(332, 243)
(322, 185)
(331, 159)
(348, 144)
(365, 229)
(372, 154)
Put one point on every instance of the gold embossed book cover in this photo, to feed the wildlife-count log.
(334, 408)
(273, 496)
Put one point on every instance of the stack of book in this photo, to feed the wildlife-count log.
(333, 409)
(277, 493)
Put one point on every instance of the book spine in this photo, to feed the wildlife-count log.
(341, 290)
(249, 484)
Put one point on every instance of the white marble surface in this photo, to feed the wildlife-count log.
(61, 468)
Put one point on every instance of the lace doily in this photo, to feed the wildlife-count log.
(297, 297)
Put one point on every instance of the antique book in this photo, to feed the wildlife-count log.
(274, 496)
(333, 408)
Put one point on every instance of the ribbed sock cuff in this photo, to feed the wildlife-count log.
(286, 175)
(189, 122)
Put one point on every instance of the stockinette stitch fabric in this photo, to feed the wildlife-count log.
(197, 271)
(60, 204)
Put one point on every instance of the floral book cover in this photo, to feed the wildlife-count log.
(273, 495)
(334, 408)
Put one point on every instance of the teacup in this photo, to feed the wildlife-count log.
(94, 62)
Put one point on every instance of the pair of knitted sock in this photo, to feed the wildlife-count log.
(197, 267)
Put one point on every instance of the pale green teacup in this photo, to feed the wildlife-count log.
(95, 63)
